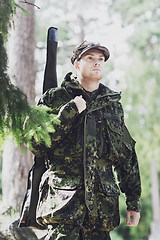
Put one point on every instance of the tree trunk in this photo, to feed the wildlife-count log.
(81, 23)
(21, 46)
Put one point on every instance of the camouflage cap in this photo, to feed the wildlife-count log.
(85, 46)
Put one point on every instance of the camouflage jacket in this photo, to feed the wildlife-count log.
(86, 150)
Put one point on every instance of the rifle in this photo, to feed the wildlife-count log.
(28, 211)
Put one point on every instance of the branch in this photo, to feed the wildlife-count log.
(30, 4)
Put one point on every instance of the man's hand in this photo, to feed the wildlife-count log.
(80, 103)
(136, 217)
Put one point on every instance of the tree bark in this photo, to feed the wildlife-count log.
(21, 46)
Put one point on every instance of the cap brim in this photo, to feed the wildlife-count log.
(101, 48)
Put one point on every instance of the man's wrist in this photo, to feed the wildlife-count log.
(133, 205)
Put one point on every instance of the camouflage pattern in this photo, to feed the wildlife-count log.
(73, 232)
(79, 188)
(85, 46)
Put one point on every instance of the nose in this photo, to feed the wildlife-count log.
(97, 63)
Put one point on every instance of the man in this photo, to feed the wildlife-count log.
(78, 193)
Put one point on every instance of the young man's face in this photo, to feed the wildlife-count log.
(91, 65)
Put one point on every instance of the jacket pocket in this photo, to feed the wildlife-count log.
(52, 198)
(114, 126)
(59, 179)
(109, 206)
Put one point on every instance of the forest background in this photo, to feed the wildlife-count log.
(130, 29)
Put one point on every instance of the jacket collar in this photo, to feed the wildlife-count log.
(75, 88)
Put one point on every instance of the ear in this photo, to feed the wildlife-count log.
(76, 64)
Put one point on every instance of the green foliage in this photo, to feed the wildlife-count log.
(114, 236)
(7, 9)
(14, 108)
(39, 124)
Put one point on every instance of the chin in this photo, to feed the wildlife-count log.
(99, 77)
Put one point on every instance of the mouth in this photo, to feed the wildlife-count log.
(96, 69)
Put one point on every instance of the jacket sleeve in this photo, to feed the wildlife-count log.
(127, 168)
(65, 110)
(128, 171)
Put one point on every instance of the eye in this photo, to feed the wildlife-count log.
(101, 59)
(90, 57)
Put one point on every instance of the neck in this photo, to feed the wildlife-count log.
(89, 85)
